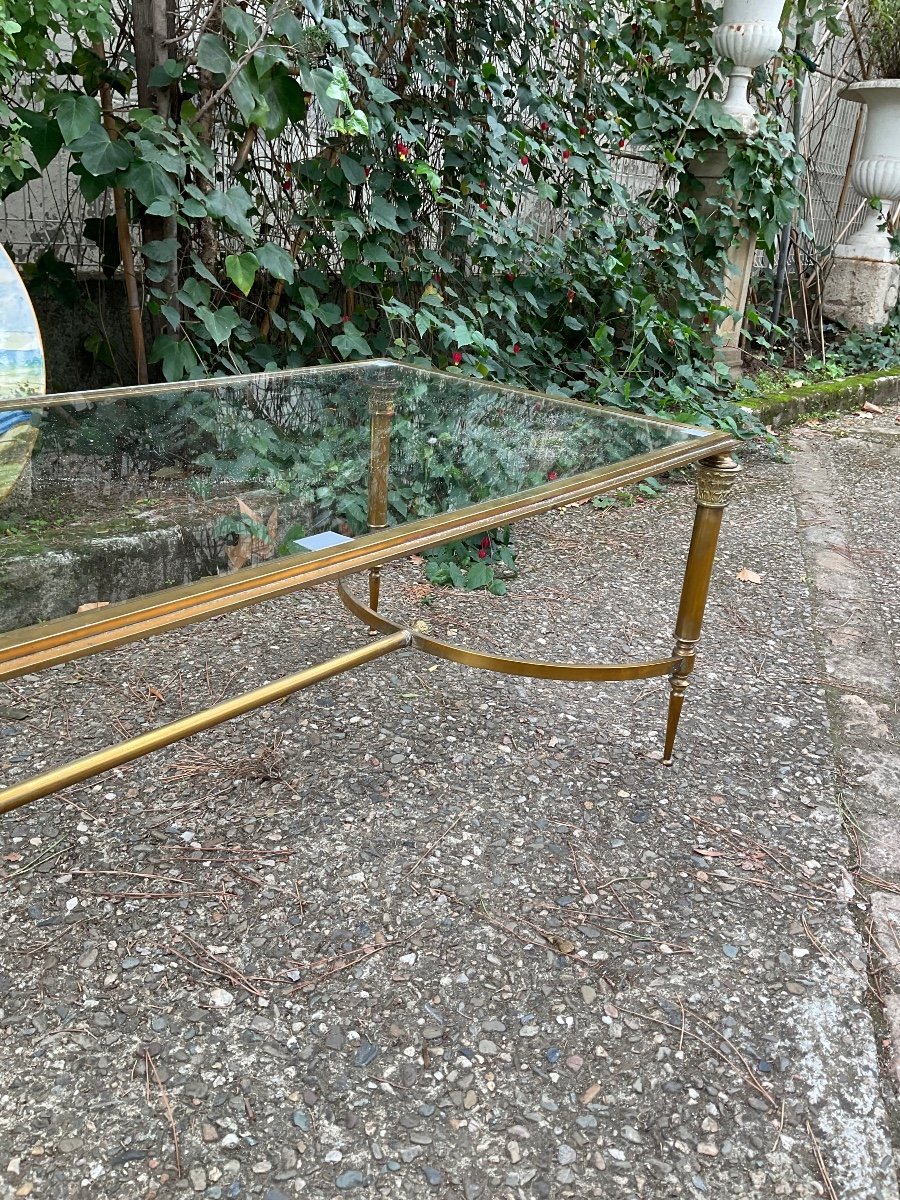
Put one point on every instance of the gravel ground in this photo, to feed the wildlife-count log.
(424, 930)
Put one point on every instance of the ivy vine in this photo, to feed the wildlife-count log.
(434, 181)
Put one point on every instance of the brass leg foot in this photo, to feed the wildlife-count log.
(678, 684)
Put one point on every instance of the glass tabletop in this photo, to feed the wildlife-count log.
(109, 495)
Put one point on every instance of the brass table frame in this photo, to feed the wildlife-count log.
(38, 647)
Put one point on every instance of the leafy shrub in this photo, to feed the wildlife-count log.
(428, 181)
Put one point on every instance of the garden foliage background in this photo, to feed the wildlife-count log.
(433, 180)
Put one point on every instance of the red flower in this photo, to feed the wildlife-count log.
(482, 553)
(621, 143)
(457, 357)
(582, 131)
(566, 155)
(524, 160)
(544, 126)
(551, 475)
(485, 542)
(570, 295)
(510, 276)
(402, 151)
(483, 204)
(368, 171)
(344, 319)
(516, 348)
(790, 83)
(287, 186)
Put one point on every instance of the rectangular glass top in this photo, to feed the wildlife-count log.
(105, 496)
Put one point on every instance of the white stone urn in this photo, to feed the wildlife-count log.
(862, 286)
(748, 36)
(876, 172)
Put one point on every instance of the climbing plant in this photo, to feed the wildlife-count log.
(435, 180)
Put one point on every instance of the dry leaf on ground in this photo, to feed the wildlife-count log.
(745, 575)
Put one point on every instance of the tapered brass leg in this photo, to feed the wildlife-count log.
(715, 481)
(381, 408)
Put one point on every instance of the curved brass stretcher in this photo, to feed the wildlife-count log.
(535, 668)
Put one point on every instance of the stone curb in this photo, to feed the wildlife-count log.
(886, 922)
(841, 395)
(857, 656)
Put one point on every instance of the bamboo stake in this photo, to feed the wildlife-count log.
(123, 229)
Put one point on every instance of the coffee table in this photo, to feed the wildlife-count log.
(392, 459)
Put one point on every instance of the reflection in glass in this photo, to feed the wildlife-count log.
(134, 490)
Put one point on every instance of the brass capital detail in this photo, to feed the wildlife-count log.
(716, 478)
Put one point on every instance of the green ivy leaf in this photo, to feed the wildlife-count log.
(99, 154)
(92, 189)
(192, 293)
(75, 115)
(286, 25)
(241, 270)
(354, 172)
(383, 213)
(165, 73)
(289, 96)
(212, 54)
(161, 208)
(150, 182)
(276, 261)
(163, 250)
(219, 323)
(350, 342)
(176, 355)
(248, 98)
(379, 92)
(42, 134)
(241, 25)
(328, 314)
(374, 252)
(232, 208)
(193, 208)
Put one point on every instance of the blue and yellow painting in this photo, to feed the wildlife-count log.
(21, 351)
(21, 374)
